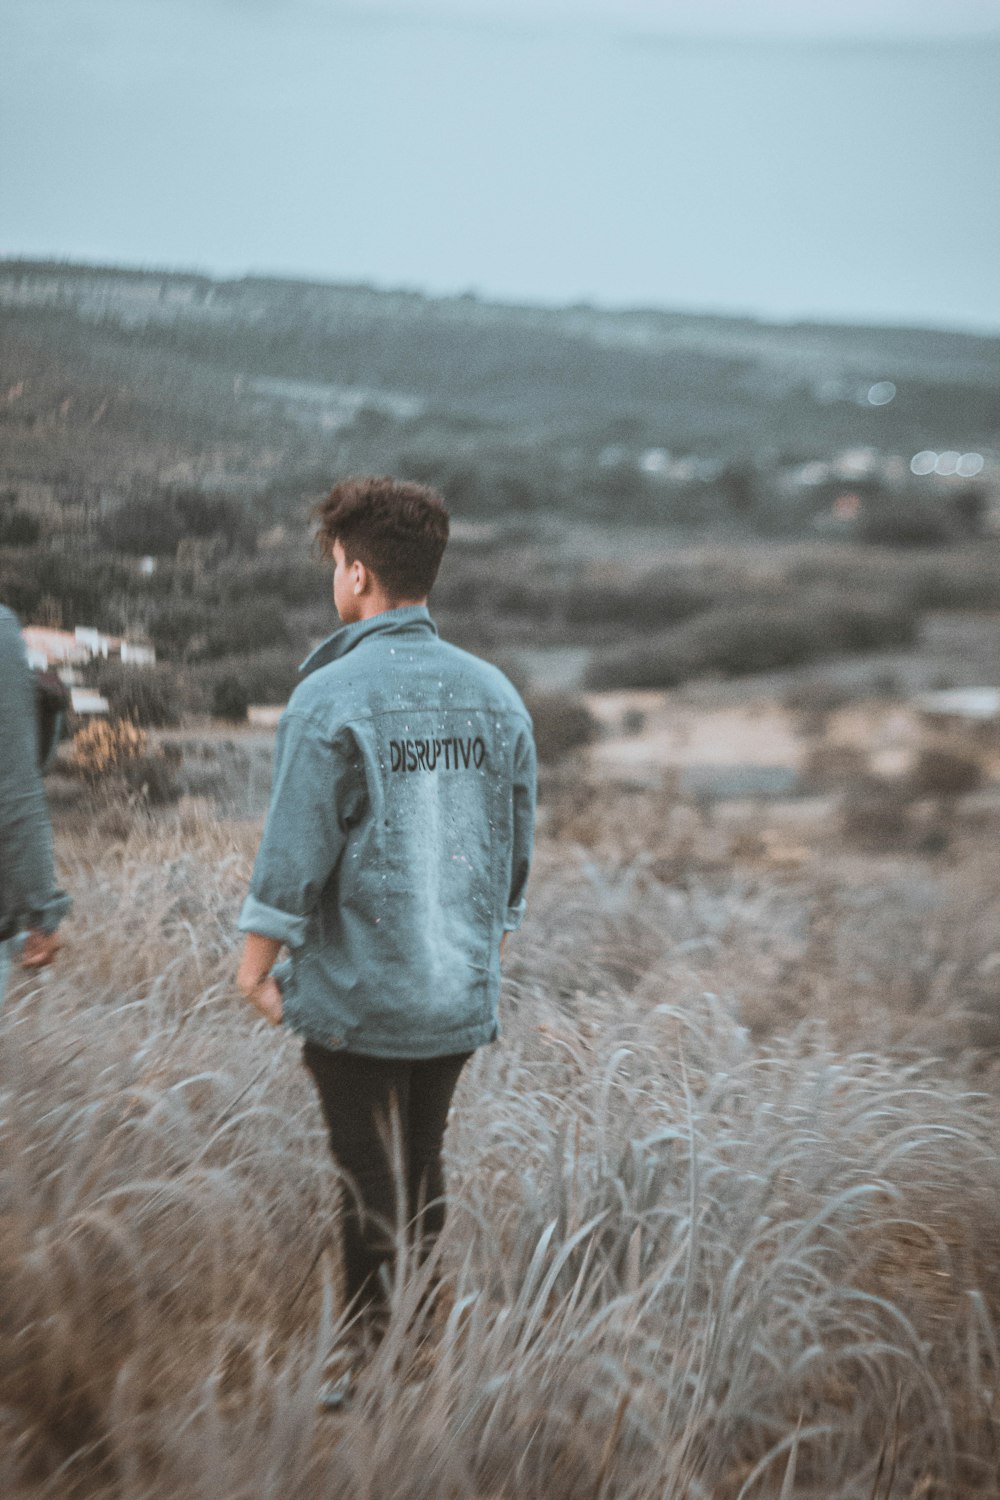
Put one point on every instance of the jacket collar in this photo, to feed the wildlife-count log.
(412, 619)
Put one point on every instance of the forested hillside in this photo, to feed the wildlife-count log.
(164, 435)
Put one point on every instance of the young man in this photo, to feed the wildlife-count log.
(393, 862)
(29, 898)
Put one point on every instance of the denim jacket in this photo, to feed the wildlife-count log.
(398, 841)
(28, 893)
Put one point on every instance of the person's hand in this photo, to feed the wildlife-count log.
(266, 997)
(254, 979)
(40, 948)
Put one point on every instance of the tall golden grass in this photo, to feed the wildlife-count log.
(724, 1217)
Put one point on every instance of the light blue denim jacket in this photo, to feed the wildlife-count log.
(398, 841)
(29, 896)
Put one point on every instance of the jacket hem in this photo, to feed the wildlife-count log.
(398, 1049)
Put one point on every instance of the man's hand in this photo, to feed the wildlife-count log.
(266, 997)
(40, 948)
(255, 980)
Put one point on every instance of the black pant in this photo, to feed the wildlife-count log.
(361, 1097)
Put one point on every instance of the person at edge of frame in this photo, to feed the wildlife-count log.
(30, 901)
(393, 863)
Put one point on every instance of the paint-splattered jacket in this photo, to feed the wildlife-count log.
(398, 841)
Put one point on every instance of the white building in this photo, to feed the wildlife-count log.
(66, 652)
(53, 648)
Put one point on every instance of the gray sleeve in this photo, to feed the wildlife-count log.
(28, 892)
(524, 793)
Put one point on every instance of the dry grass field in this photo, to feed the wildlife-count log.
(725, 1214)
(725, 1198)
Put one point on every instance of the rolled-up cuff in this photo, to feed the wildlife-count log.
(515, 916)
(268, 921)
(46, 918)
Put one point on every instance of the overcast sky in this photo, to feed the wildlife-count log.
(722, 17)
(692, 17)
(844, 164)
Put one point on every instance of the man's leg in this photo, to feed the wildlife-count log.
(358, 1096)
(432, 1084)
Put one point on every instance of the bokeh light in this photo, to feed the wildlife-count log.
(655, 461)
(881, 393)
(923, 462)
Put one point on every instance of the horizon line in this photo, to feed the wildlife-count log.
(803, 319)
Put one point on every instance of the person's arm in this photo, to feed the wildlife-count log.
(523, 792)
(30, 891)
(311, 797)
(254, 977)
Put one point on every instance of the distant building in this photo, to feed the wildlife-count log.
(53, 648)
(87, 701)
(93, 642)
(65, 652)
(135, 655)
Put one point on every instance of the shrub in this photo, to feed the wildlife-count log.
(196, 629)
(563, 723)
(867, 625)
(290, 577)
(732, 642)
(101, 749)
(147, 696)
(18, 528)
(230, 699)
(78, 585)
(906, 525)
(258, 622)
(815, 700)
(876, 814)
(179, 627)
(464, 584)
(267, 676)
(661, 596)
(959, 578)
(475, 585)
(944, 772)
(157, 523)
(757, 638)
(834, 766)
(155, 775)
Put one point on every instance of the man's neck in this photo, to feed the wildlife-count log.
(379, 604)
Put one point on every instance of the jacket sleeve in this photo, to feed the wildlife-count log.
(312, 797)
(524, 794)
(28, 890)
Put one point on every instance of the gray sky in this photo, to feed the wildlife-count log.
(722, 17)
(542, 150)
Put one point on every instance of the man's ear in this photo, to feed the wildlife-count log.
(361, 576)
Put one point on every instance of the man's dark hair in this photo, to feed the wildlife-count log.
(398, 529)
